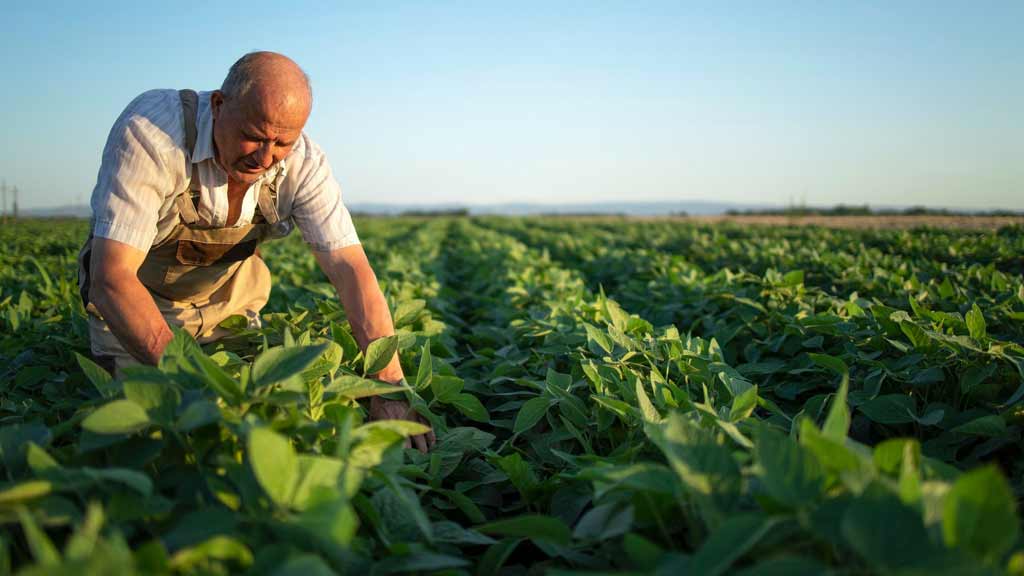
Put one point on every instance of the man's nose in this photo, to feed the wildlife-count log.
(265, 155)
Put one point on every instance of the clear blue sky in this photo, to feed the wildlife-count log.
(486, 102)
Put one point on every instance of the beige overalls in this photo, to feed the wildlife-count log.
(197, 276)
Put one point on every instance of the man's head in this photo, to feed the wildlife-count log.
(258, 114)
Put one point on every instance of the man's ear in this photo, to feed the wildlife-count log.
(216, 101)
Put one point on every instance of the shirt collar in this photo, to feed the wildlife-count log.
(204, 130)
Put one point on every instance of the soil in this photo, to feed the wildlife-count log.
(894, 221)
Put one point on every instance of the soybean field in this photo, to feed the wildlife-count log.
(644, 397)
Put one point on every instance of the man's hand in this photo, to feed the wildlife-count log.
(383, 409)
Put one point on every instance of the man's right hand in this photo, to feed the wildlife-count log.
(125, 304)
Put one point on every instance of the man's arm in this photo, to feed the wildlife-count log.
(124, 302)
(367, 310)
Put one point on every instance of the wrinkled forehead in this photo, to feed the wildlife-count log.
(282, 109)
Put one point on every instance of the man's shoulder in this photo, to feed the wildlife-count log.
(154, 116)
(306, 148)
(306, 155)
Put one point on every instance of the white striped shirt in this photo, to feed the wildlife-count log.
(145, 166)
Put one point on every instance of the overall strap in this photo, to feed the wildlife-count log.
(186, 201)
(267, 202)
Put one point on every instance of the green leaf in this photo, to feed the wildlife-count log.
(496, 556)
(835, 456)
(743, 405)
(465, 504)
(43, 550)
(344, 339)
(452, 533)
(786, 565)
(99, 377)
(81, 544)
(530, 413)
(426, 368)
(446, 388)
(599, 339)
(197, 414)
(793, 278)
(329, 514)
(791, 474)
(888, 455)
(421, 563)
(976, 322)
(407, 312)
(604, 522)
(643, 553)
(729, 542)
(888, 535)
(176, 357)
(304, 565)
(355, 387)
(837, 423)
(313, 472)
(379, 354)
(38, 459)
(646, 407)
(534, 527)
(25, 492)
(117, 417)
(990, 426)
(890, 409)
(328, 362)
(274, 463)
(403, 428)
(281, 364)
(833, 363)
(225, 548)
(158, 398)
(706, 468)
(218, 380)
(131, 478)
(471, 407)
(519, 472)
(980, 514)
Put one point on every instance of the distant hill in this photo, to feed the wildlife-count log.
(527, 209)
(78, 211)
(692, 208)
(509, 209)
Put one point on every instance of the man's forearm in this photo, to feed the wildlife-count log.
(132, 315)
(370, 318)
(365, 304)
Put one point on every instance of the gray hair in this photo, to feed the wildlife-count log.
(245, 72)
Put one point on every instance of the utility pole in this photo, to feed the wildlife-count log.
(15, 202)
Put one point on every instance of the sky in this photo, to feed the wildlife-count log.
(883, 103)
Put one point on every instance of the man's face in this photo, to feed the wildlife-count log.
(252, 134)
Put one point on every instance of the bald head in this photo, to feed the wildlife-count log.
(258, 114)
(268, 80)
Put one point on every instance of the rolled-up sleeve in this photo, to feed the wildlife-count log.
(134, 177)
(318, 211)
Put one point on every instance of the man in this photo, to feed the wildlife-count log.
(188, 186)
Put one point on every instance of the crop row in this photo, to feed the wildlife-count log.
(744, 420)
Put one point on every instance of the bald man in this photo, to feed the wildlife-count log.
(189, 185)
